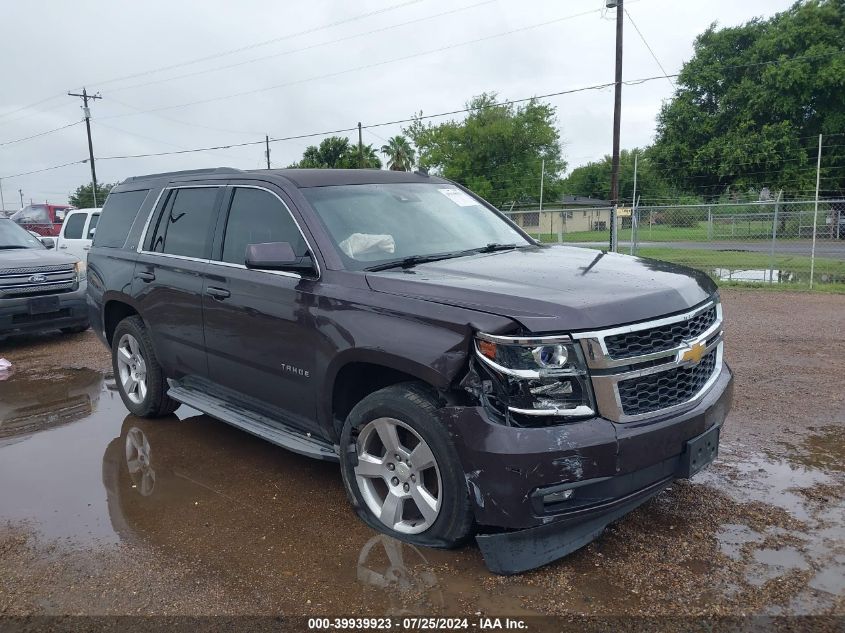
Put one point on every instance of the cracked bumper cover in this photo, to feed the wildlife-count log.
(611, 469)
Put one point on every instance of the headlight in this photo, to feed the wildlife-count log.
(543, 375)
(81, 270)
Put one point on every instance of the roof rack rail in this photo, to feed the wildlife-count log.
(187, 172)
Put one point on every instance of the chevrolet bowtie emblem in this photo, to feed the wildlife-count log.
(694, 354)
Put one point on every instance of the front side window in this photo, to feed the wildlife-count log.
(257, 217)
(74, 225)
(184, 227)
(378, 223)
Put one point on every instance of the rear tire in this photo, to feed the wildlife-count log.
(401, 470)
(140, 379)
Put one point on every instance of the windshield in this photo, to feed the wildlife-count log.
(376, 224)
(12, 236)
(33, 214)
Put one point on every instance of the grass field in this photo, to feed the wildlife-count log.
(741, 230)
(829, 273)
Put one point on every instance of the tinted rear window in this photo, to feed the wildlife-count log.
(118, 214)
(186, 224)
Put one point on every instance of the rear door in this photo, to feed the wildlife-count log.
(72, 237)
(259, 330)
(168, 284)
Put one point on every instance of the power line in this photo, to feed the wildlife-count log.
(241, 49)
(27, 138)
(30, 106)
(38, 171)
(642, 37)
(305, 48)
(362, 67)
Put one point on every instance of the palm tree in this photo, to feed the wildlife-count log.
(400, 154)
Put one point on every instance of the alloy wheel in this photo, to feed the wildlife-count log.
(132, 368)
(398, 476)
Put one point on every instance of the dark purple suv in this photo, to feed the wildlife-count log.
(469, 380)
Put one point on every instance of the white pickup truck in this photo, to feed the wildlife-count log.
(78, 231)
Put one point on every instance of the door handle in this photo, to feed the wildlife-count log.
(62, 246)
(86, 248)
(217, 293)
(146, 275)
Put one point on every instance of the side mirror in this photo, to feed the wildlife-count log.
(48, 242)
(276, 256)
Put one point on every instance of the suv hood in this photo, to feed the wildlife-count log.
(553, 289)
(27, 257)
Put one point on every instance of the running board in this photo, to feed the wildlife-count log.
(252, 422)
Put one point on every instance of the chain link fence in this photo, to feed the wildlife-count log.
(773, 242)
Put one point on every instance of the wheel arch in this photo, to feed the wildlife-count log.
(359, 373)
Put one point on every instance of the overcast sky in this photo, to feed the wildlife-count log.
(321, 65)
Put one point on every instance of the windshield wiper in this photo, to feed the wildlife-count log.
(413, 260)
(492, 248)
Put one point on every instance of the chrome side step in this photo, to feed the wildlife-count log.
(253, 422)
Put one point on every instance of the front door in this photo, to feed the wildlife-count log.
(259, 329)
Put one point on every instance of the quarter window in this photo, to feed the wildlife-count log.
(74, 225)
(184, 227)
(256, 217)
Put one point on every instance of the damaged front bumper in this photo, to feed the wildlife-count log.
(539, 494)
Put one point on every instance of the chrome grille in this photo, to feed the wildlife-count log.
(659, 339)
(650, 393)
(37, 280)
(647, 369)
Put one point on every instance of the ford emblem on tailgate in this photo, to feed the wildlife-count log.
(38, 279)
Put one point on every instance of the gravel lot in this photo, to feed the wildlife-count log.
(222, 523)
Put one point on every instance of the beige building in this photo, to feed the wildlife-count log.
(573, 214)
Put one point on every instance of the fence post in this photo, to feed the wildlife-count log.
(774, 238)
(815, 214)
(709, 224)
(561, 214)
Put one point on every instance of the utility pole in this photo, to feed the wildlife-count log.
(542, 177)
(617, 120)
(360, 148)
(267, 152)
(2, 202)
(87, 112)
(20, 193)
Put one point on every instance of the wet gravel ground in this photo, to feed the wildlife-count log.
(219, 522)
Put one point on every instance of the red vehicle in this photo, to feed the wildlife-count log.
(44, 219)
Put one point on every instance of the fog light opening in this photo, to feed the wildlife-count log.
(557, 497)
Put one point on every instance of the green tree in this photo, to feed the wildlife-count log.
(335, 152)
(496, 151)
(593, 179)
(752, 101)
(83, 197)
(400, 154)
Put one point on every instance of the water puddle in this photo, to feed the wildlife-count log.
(766, 275)
(82, 472)
(794, 482)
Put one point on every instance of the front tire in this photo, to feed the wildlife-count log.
(140, 379)
(401, 470)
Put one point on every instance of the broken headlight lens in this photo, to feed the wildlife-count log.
(538, 376)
